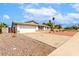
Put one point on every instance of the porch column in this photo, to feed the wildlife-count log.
(37, 28)
(44, 28)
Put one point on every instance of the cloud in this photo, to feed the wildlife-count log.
(67, 19)
(29, 5)
(41, 11)
(35, 12)
(76, 6)
(37, 9)
(39, 14)
(74, 15)
(47, 14)
(62, 19)
(6, 16)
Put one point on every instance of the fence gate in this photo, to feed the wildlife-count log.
(12, 30)
(0, 30)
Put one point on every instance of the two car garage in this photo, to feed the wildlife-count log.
(26, 29)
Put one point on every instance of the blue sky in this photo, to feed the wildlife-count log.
(66, 14)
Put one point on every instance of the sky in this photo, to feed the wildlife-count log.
(65, 14)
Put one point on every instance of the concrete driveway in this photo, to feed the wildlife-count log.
(51, 39)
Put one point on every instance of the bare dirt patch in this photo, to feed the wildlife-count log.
(22, 46)
(65, 33)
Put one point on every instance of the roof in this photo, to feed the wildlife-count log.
(30, 23)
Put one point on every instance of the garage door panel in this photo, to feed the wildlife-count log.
(24, 29)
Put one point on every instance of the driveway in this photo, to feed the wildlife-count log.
(50, 39)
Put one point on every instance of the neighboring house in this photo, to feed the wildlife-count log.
(30, 26)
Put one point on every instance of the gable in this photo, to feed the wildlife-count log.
(31, 22)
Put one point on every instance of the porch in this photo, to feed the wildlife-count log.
(42, 28)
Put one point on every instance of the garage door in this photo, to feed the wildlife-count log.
(26, 29)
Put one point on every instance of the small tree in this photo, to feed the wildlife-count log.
(49, 23)
(44, 24)
(58, 26)
(71, 28)
(3, 25)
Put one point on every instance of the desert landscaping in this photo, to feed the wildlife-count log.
(22, 46)
(30, 44)
(29, 40)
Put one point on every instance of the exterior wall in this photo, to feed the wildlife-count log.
(26, 29)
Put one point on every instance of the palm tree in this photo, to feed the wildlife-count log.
(53, 21)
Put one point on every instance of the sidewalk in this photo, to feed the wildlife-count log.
(70, 48)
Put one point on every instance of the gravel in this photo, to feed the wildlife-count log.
(20, 45)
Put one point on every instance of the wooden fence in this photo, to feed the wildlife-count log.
(0, 30)
(11, 30)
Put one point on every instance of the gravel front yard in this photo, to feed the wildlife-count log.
(22, 46)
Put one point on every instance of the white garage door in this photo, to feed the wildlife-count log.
(26, 29)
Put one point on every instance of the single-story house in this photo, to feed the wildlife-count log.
(30, 26)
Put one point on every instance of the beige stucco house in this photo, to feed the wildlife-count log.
(30, 26)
